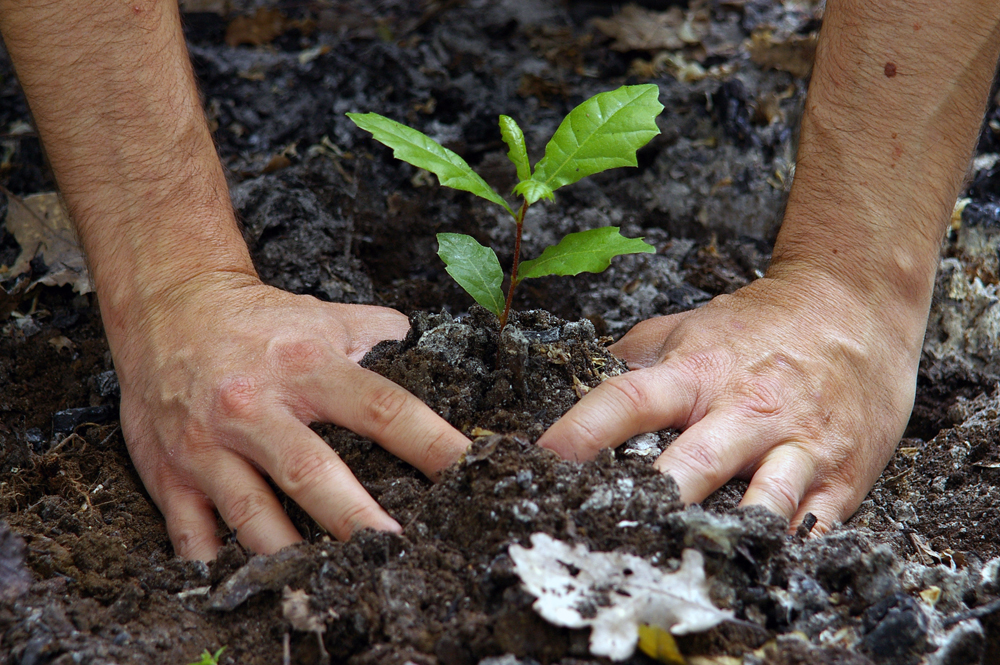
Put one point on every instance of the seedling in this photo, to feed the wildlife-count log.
(601, 133)
(208, 658)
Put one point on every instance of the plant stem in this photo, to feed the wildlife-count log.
(517, 260)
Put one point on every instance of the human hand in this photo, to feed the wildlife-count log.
(796, 384)
(219, 392)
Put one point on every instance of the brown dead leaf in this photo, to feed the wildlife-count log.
(263, 27)
(635, 28)
(41, 226)
(793, 54)
(542, 89)
(562, 47)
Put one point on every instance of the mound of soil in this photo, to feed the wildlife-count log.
(87, 574)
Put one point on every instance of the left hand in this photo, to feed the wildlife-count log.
(798, 384)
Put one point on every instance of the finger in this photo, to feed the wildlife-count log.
(642, 346)
(191, 523)
(248, 505)
(782, 480)
(369, 325)
(313, 475)
(373, 406)
(709, 454)
(646, 400)
(827, 507)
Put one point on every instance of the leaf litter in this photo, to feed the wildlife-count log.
(41, 225)
(615, 593)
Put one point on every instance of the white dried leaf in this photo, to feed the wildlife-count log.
(635, 28)
(295, 608)
(614, 593)
(41, 226)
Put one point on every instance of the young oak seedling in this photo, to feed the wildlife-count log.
(601, 133)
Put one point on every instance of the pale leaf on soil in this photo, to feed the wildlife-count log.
(586, 251)
(602, 133)
(636, 28)
(297, 611)
(424, 152)
(41, 226)
(793, 54)
(614, 593)
(474, 267)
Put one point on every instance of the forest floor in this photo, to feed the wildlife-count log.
(87, 573)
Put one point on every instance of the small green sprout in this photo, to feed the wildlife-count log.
(601, 133)
(209, 658)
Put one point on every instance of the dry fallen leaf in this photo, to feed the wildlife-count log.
(793, 54)
(41, 226)
(61, 342)
(635, 28)
(295, 608)
(263, 27)
(614, 593)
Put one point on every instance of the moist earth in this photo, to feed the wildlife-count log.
(87, 574)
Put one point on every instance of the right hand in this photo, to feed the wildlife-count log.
(219, 385)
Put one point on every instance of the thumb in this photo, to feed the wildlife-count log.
(642, 346)
(368, 325)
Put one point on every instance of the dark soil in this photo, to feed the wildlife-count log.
(87, 574)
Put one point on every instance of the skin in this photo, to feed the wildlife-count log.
(802, 381)
(220, 374)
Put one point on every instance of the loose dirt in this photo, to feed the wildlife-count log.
(87, 574)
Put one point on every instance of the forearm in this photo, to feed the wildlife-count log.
(114, 99)
(893, 112)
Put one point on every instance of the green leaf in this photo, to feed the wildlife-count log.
(587, 251)
(532, 190)
(474, 267)
(602, 133)
(514, 138)
(424, 152)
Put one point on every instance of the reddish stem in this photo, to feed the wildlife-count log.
(513, 271)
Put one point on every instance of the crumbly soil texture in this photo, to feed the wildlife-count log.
(87, 574)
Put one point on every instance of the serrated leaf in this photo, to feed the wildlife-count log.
(514, 138)
(603, 132)
(586, 251)
(474, 267)
(532, 190)
(422, 151)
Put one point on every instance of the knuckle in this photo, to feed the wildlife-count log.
(701, 459)
(697, 461)
(306, 469)
(591, 436)
(705, 364)
(188, 542)
(762, 396)
(633, 396)
(355, 516)
(239, 397)
(385, 404)
(298, 356)
(246, 509)
(781, 495)
(436, 452)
